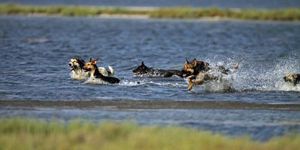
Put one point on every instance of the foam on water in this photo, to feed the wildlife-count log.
(94, 81)
(132, 83)
(78, 76)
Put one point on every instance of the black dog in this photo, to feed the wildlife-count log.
(150, 72)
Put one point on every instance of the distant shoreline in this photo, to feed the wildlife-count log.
(150, 104)
(286, 14)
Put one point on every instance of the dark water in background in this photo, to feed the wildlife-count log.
(34, 66)
(169, 3)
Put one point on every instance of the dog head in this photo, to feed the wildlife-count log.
(91, 65)
(195, 66)
(188, 67)
(142, 69)
(292, 77)
(76, 63)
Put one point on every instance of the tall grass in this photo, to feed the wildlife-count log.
(287, 14)
(34, 134)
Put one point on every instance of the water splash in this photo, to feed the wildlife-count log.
(267, 78)
(92, 80)
(79, 76)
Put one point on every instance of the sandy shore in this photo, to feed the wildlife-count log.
(143, 104)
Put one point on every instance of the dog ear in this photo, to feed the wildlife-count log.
(187, 61)
(194, 62)
(143, 63)
(94, 62)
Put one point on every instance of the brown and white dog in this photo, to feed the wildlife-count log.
(293, 78)
(76, 65)
(92, 68)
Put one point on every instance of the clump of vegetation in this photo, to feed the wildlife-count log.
(35, 134)
(287, 14)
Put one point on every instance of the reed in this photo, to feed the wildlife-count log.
(286, 14)
(17, 133)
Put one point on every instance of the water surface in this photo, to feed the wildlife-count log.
(34, 66)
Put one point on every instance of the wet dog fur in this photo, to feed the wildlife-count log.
(144, 70)
(293, 78)
(194, 67)
(198, 72)
(76, 64)
(95, 73)
(199, 79)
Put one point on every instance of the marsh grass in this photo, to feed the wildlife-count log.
(287, 14)
(30, 134)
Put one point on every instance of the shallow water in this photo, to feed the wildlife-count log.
(35, 52)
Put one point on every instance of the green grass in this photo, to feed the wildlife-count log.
(286, 14)
(34, 134)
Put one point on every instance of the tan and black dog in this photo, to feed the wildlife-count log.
(198, 72)
(194, 67)
(293, 78)
(76, 65)
(95, 73)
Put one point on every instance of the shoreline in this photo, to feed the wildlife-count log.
(180, 13)
(152, 104)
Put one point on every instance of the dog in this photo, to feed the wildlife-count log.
(92, 68)
(142, 70)
(293, 78)
(76, 65)
(198, 72)
(194, 67)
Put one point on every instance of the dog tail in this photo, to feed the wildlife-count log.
(111, 70)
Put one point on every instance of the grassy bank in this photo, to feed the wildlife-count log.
(287, 14)
(34, 134)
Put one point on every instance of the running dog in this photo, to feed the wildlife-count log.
(199, 72)
(194, 67)
(293, 78)
(76, 64)
(92, 68)
(150, 72)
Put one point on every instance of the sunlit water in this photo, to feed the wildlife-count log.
(34, 66)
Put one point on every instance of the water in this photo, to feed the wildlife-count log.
(34, 66)
(169, 3)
